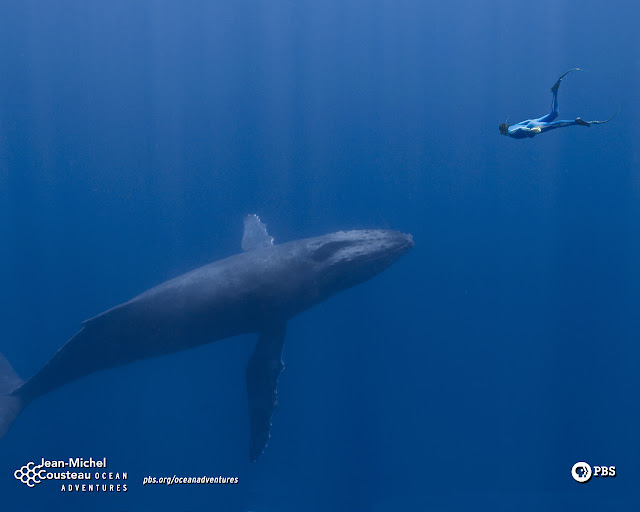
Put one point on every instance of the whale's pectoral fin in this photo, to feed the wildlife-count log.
(255, 234)
(263, 370)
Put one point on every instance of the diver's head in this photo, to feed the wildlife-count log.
(504, 128)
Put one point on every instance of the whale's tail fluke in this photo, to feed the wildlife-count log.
(10, 405)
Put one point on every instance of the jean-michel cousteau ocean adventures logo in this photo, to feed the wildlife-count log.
(74, 475)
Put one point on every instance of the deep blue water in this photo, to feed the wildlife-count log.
(134, 136)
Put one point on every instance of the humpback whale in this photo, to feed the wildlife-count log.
(258, 290)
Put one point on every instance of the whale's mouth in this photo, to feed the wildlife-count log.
(390, 251)
(352, 257)
(406, 243)
(395, 243)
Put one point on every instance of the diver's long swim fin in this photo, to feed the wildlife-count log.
(557, 84)
(10, 405)
(607, 120)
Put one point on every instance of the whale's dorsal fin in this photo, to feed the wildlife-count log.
(255, 234)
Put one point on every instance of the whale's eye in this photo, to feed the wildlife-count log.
(328, 249)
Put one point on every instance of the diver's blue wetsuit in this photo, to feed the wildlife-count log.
(532, 127)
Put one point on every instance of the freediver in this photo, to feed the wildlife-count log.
(532, 127)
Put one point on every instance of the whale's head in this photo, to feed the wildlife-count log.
(347, 258)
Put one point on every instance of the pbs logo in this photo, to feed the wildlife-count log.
(582, 472)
